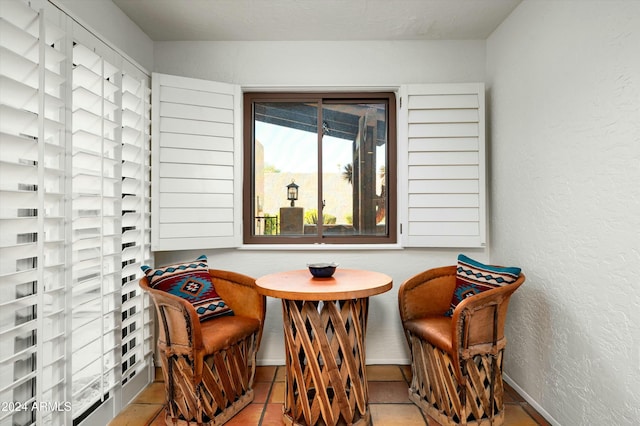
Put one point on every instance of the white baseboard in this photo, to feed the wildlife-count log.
(532, 402)
(387, 361)
(269, 361)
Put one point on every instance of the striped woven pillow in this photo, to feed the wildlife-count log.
(473, 277)
(190, 281)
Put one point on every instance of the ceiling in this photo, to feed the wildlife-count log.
(322, 20)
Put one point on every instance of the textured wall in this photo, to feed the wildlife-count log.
(564, 84)
(324, 63)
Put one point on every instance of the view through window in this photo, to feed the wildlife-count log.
(319, 168)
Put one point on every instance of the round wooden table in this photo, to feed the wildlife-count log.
(325, 323)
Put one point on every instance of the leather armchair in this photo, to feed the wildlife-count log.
(456, 361)
(209, 367)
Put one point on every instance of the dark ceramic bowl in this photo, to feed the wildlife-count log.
(322, 270)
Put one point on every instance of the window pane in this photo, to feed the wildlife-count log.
(317, 168)
(354, 157)
(285, 153)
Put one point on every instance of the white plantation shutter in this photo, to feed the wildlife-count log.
(196, 166)
(74, 220)
(96, 224)
(136, 327)
(33, 353)
(445, 183)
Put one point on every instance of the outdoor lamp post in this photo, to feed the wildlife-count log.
(292, 193)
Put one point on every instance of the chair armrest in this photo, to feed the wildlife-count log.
(427, 293)
(240, 293)
(179, 327)
(478, 322)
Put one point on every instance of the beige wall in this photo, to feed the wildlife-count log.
(564, 79)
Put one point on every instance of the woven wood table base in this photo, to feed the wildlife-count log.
(225, 389)
(435, 388)
(326, 381)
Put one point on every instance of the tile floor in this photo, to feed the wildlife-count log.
(388, 402)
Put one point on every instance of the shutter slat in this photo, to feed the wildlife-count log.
(196, 112)
(196, 95)
(443, 214)
(189, 156)
(196, 142)
(199, 186)
(443, 144)
(176, 230)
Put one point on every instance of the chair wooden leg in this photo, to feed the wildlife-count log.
(225, 389)
(436, 390)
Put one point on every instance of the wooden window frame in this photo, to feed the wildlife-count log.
(249, 99)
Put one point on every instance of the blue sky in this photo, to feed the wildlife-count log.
(301, 147)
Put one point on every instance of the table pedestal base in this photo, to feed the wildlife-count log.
(326, 381)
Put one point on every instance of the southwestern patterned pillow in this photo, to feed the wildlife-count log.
(192, 282)
(473, 277)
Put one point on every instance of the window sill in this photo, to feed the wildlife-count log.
(319, 247)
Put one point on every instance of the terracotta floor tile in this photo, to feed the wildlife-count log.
(277, 393)
(158, 375)
(261, 392)
(535, 415)
(249, 415)
(396, 414)
(272, 415)
(265, 373)
(388, 402)
(153, 394)
(406, 371)
(431, 421)
(384, 373)
(515, 415)
(389, 392)
(159, 420)
(281, 374)
(136, 415)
